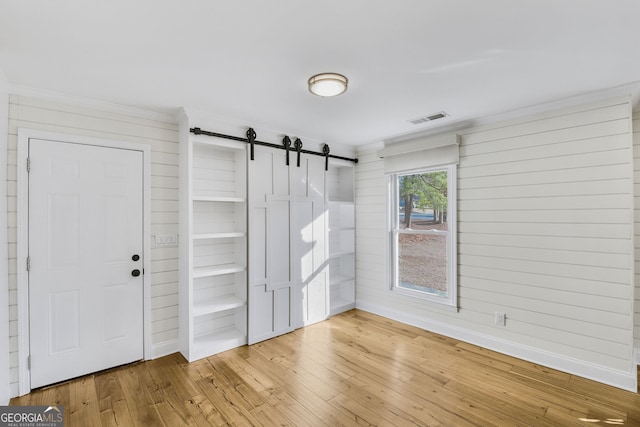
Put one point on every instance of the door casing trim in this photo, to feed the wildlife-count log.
(22, 235)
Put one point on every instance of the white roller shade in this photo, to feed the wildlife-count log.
(421, 153)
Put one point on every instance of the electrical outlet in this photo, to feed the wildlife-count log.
(501, 319)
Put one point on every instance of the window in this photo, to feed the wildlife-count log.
(423, 233)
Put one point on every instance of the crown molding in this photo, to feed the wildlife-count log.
(630, 91)
(79, 101)
(372, 146)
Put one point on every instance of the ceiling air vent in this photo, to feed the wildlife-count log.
(436, 116)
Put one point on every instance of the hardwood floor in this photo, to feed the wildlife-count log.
(353, 369)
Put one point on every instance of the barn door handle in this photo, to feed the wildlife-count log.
(135, 273)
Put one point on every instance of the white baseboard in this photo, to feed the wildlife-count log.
(14, 390)
(603, 374)
(636, 352)
(164, 348)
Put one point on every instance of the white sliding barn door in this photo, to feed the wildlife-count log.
(85, 251)
(288, 286)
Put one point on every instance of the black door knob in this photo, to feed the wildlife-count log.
(136, 257)
(135, 273)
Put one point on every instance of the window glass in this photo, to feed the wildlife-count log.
(423, 229)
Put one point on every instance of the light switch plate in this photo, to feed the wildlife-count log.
(168, 241)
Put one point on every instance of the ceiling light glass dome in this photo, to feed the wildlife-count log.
(328, 84)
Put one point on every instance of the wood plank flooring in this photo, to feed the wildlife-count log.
(355, 369)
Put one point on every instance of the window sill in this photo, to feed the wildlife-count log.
(423, 297)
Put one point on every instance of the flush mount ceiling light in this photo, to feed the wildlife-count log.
(328, 84)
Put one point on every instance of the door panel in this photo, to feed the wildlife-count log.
(316, 178)
(64, 321)
(282, 312)
(278, 238)
(316, 300)
(258, 248)
(262, 309)
(114, 313)
(85, 224)
(114, 235)
(287, 224)
(302, 230)
(64, 211)
(298, 178)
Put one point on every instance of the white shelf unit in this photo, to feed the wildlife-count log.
(213, 288)
(340, 185)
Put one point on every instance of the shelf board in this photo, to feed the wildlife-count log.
(338, 305)
(217, 270)
(204, 236)
(218, 199)
(342, 229)
(341, 278)
(340, 254)
(216, 342)
(216, 305)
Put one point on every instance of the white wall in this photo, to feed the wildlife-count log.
(4, 284)
(162, 135)
(636, 203)
(545, 226)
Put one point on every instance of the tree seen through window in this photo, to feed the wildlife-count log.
(422, 232)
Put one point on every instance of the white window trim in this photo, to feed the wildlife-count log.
(450, 302)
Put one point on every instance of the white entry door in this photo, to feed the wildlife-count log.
(85, 259)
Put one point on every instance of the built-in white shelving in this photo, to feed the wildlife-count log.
(218, 341)
(214, 203)
(213, 252)
(219, 235)
(219, 304)
(218, 199)
(217, 270)
(340, 184)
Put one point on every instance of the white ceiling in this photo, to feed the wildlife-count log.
(250, 59)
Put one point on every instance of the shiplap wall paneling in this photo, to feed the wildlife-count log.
(5, 379)
(545, 222)
(560, 185)
(371, 251)
(162, 135)
(636, 204)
